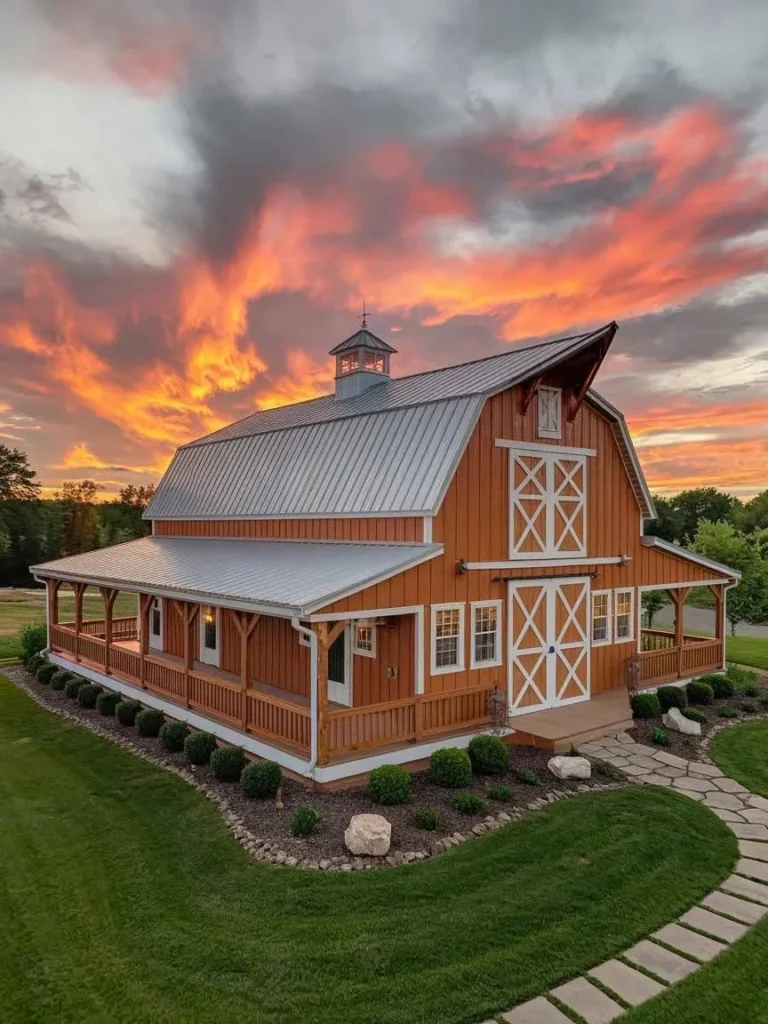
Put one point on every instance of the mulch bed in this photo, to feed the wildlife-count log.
(337, 806)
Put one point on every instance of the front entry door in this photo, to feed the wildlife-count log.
(548, 643)
(339, 670)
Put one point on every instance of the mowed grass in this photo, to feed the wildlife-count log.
(123, 898)
(748, 650)
(742, 754)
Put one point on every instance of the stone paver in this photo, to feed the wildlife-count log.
(688, 942)
(671, 759)
(634, 769)
(645, 762)
(588, 1001)
(660, 961)
(628, 984)
(730, 786)
(617, 762)
(713, 924)
(671, 773)
(748, 831)
(752, 814)
(742, 910)
(725, 815)
(641, 748)
(725, 800)
(707, 770)
(692, 785)
(753, 850)
(652, 779)
(759, 802)
(746, 887)
(537, 1011)
(691, 794)
(757, 869)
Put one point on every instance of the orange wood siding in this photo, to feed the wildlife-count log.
(408, 528)
(394, 650)
(173, 632)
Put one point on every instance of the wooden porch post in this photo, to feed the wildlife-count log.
(325, 639)
(678, 595)
(108, 596)
(52, 588)
(188, 613)
(245, 623)
(145, 603)
(79, 589)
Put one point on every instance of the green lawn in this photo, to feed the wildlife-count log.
(748, 650)
(123, 898)
(742, 754)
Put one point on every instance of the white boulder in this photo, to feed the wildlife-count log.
(674, 719)
(570, 767)
(368, 835)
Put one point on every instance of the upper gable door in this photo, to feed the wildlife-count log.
(547, 503)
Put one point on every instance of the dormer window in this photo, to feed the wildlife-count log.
(550, 413)
(349, 363)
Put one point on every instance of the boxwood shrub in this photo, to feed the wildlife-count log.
(149, 722)
(451, 767)
(34, 663)
(722, 686)
(694, 715)
(199, 746)
(500, 793)
(46, 673)
(261, 779)
(305, 821)
(126, 712)
(172, 737)
(489, 755)
(72, 687)
(88, 694)
(672, 697)
(428, 819)
(660, 737)
(107, 702)
(390, 784)
(469, 803)
(699, 693)
(227, 763)
(645, 705)
(32, 639)
(529, 777)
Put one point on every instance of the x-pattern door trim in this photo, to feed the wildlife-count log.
(515, 652)
(525, 509)
(582, 642)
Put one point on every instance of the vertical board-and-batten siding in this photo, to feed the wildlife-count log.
(394, 530)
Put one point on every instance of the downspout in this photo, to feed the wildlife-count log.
(312, 637)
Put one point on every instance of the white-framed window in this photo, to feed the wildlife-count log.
(156, 624)
(364, 638)
(601, 617)
(447, 638)
(623, 615)
(374, 361)
(485, 642)
(210, 630)
(550, 412)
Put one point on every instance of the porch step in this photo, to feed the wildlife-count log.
(558, 729)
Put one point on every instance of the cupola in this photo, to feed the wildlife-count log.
(362, 360)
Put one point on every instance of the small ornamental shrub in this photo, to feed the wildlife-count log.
(199, 746)
(46, 673)
(428, 819)
(501, 793)
(126, 712)
(72, 687)
(741, 677)
(450, 767)
(33, 640)
(390, 784)
(645, 705)
(529, 777)
(751, 690)
(261, 779)
(469, 803)
(172, 737)
(227, 763)
(34, 663)
(699, 693)
(694, 716)
(728, 712)
(60, 678)
(305, 821)
(672, 697)
(489, 755)
(660, 737)
(748, 707)
(107, 702)
(149, 722)
(722, 686)
(88, 694)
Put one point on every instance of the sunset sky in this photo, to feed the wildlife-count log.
(195, 196)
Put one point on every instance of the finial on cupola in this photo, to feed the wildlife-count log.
(362, 360)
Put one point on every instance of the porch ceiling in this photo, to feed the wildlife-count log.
(279, 577)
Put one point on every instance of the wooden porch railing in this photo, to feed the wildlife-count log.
(661, 661)
(124, 628)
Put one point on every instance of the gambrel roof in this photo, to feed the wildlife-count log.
(390, 451)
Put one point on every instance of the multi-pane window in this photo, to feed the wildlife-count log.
(486, 634)
(550, 406)
(350, 362)
(365, 639)
(374, 361)
(447, 638)
(623, 611)
(601, 616)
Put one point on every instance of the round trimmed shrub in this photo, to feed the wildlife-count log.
(173, 736)
(261, 779)
(645, 705)
(699, 693)
(529, 777)
(672, 697)
(489, 755)
(88, 694)
(34, 663)
(199, 746)
(722, 686)
(227, 763)
(694, 715)
(390, 784)
(107, 702)
(428, 819)
(305, 821)
(451, 767)
(501, 793)
(660, 737)
(149, 722)
(469, 803)
(72, 687)
(46, 673)
(126, 712)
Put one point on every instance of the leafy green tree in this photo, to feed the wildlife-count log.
(668, 523)
(752, 516)
(80, 526)
(652, 602)
(701, 503)
(723, 543)
(17, 480)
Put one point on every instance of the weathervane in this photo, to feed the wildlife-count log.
(363, 318)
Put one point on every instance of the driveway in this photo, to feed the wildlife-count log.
(702, 620)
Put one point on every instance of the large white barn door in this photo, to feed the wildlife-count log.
(547, 504)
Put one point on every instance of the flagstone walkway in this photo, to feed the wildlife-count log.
(673, 952)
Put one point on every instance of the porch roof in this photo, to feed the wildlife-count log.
(278, 577)
(718, 569)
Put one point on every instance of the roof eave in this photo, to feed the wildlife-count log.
(691, 556)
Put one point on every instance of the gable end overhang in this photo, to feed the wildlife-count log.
(726, 571)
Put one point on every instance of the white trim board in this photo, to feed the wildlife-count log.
(677, 586)
(541, 449)
(550, 563)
